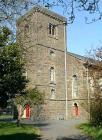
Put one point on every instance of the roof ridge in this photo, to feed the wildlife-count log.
(44, 10)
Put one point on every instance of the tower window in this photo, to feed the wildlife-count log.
(52, 29)
(52, 75)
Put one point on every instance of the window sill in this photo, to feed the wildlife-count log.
(52, 83)
(74, 98)
(53, 36)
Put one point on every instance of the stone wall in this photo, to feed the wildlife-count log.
(76, 68)
(42, 51)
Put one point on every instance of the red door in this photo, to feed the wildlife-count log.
(75, 110)
(27, 111)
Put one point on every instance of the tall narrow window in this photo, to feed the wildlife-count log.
(52, 75)
(52, 29)
(91, 84)
(74, 86)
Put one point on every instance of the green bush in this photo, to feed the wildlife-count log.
(94, 133)
(96, 112)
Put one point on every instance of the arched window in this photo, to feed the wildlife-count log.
(52, 75)
(74, 86)
(53, 93)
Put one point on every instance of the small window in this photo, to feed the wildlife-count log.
(53, 93)
(52, 53)
(52, 29)
(52, 75)
(26, 28)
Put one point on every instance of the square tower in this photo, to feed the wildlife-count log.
(41, 34)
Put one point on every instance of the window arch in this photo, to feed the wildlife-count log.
(52, 74)
(74, 86)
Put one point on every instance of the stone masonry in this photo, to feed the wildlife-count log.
(42, 37)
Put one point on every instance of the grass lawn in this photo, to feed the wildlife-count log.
(9, 131)
(6, 116)
(92, 131)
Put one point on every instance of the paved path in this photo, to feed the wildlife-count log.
(61, 130)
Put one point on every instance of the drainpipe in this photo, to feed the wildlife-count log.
(66, 96)
(88, 92)
(88, 84)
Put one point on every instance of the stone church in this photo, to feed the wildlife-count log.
(61, 75)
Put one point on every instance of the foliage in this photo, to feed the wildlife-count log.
(35, 97)
(9, 131)
(94, 132)
(15, 112)
(71, 7)
(4, 36)
(94, 64)
(12, 81)
(32, 97)
(96, 112)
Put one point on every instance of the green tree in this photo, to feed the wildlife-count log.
(33, 97)
(94, 65)
(12, 80)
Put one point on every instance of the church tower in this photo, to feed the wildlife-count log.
(41, 34)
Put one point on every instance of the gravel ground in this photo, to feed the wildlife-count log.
(61, 130)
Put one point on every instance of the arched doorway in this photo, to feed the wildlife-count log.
(27, 111)
(75, 110)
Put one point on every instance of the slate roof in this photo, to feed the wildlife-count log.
(80, 57)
